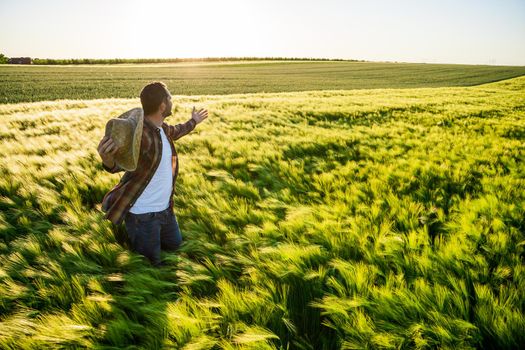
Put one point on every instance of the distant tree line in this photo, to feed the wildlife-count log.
(53, 61)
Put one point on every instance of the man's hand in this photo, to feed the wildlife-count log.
(107, 149)
(200, 115)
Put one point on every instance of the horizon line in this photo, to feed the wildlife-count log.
(231, 58)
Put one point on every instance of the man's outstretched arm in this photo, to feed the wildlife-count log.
(179, 130)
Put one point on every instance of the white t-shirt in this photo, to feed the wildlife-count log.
(156, 195)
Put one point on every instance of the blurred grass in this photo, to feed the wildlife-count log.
(20, 83)
(388, 218)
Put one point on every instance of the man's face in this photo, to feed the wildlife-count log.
(169, 106)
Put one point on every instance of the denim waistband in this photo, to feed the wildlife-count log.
(156, 213)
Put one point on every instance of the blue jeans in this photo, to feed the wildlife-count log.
(149, 232)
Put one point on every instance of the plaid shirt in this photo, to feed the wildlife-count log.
(117, 202)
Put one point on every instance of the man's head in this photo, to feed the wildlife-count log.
(155, 97)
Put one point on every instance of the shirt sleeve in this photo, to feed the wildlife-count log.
(179, 130)
(113, 170)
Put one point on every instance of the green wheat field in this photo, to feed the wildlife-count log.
(23, 83)
(372, 215)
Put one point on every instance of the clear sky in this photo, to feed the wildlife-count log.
(444, 31)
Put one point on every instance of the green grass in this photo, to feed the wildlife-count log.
(41, 83)
(360, 219)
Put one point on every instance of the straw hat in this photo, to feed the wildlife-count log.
(126, 131)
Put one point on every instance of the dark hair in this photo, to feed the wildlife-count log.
(152, 95)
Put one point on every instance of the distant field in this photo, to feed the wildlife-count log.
(361, 219)
(40, 83)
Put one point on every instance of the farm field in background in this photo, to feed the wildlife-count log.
(19, 83)
(371, 218)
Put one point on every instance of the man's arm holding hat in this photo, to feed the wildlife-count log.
(114, 169)
(107, 149)
(179, 130)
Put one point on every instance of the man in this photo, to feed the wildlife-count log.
(143, 198)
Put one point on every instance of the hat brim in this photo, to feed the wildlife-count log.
(126, 131)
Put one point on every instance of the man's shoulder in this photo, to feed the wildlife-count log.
(148, 135)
